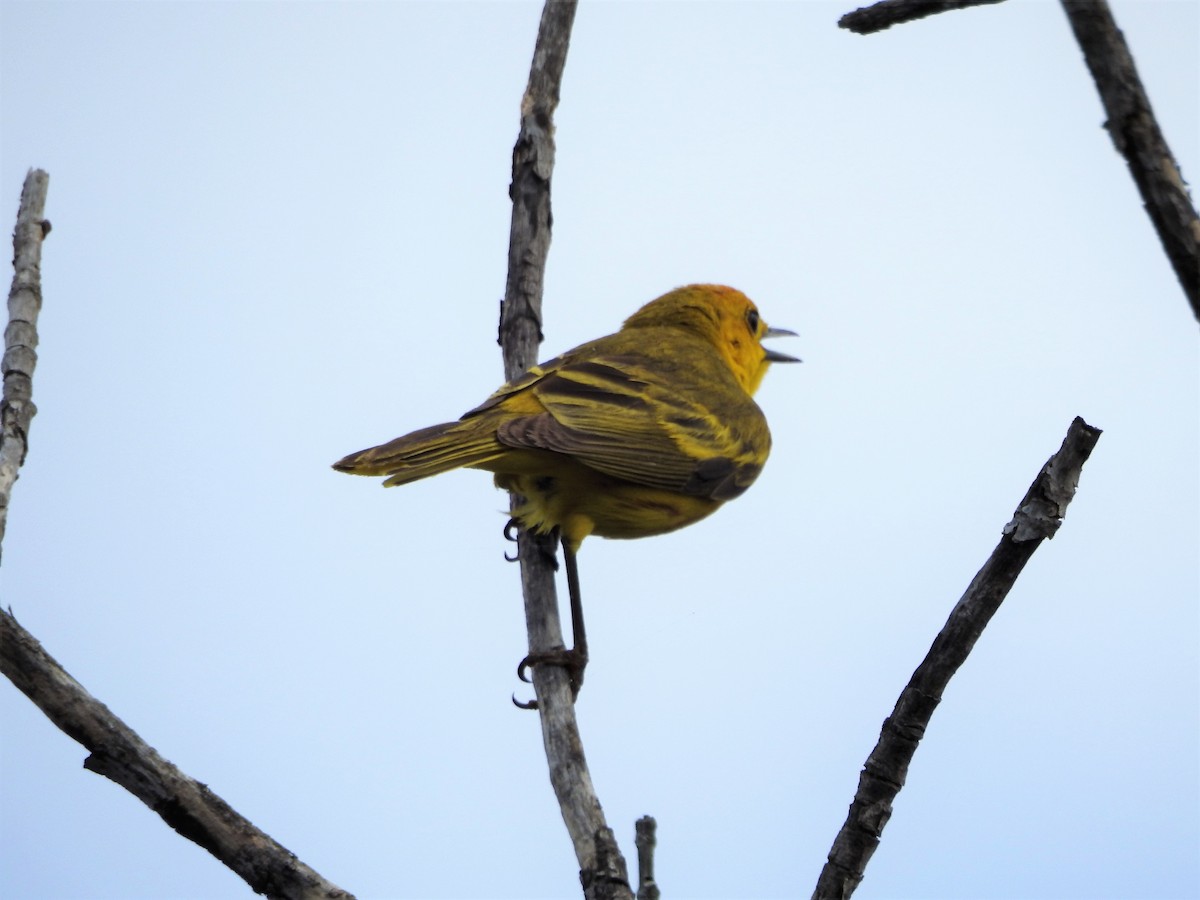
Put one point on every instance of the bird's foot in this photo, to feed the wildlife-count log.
(574, 661)
(513, 532)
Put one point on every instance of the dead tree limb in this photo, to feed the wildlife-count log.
(1131, 122)
(886, 13)
(602, 869)
(646, 831)
(1038, 517)
(20, 337)
(115, 750)
(117, 753)
(1135, 133)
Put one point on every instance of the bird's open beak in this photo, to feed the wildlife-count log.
(775, 355)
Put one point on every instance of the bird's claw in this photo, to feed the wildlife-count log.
(512, 532)
(574, 661)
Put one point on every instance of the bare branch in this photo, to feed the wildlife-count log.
(117, 753)
(1135, 132)
(1131, 123)
(602, 868)
(532, 165)
(20, 337)
(883, 15)
(645, 840)
(1038, 516)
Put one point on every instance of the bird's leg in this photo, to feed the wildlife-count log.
(578, 632)
(574, 660)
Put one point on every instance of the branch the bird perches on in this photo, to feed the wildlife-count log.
(602, 869)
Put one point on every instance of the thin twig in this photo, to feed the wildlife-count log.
(886, 13)
(1135, 133)
(1038, 516)
(117, 753)
(20, 337)
(603, 871)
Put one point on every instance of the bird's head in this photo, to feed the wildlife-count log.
(725, 317)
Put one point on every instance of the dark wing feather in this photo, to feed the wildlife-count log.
(647, 421)
(528, 380)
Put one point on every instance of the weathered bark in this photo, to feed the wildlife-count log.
(603, 873)
(1131, 123)
(886, 13)
(20, 337)
(1038, 517)
(117, 753)
(646, 838)
(1135, 133)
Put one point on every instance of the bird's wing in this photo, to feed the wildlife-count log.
(619, 415)
(518, 385)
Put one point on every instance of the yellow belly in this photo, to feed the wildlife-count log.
(581, 501)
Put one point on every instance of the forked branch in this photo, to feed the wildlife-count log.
(1131, 122)
(115, 750)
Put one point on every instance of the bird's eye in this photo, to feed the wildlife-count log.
(752, 320)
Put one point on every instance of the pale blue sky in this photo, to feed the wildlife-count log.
(280, 235)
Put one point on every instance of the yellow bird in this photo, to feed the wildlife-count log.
(630, 435)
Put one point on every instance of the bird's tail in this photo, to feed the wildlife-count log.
(429, 451)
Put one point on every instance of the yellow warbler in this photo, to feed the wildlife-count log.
(634, 434)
